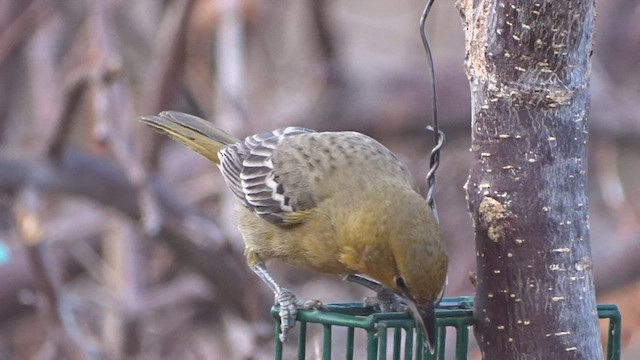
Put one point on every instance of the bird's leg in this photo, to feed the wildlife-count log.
(287, 300)
(386, 299)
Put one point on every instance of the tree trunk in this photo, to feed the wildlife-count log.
(528, 64)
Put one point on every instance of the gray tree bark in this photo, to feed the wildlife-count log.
(528, 64)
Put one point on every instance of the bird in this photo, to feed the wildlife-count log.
(332, 202)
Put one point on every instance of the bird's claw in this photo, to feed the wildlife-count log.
(386, 300)
(289, 306)
(311, 305)
(288, 312)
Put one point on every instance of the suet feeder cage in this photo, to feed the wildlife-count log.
(392, 335)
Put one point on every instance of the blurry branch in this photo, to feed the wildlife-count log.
(31, 236)
(16, 275)
(125, 258)
(67, 245)
(125, 276)
(23, 26)
(183, 289)
(43, 267)
(615, 107)
(196, 241)
(335, 100)
(618, 265)
(231, 111)
(164, 79)
(614, 196)
(620, 268)
(112, 109)
(199, 57)
(326, 40)
(73, 96)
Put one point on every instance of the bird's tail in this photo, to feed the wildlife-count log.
(197, 134)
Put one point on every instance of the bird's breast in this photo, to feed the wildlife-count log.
(313, 244)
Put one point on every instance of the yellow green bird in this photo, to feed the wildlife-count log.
(333, 202)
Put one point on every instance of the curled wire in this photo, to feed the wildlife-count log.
(439, 137)
(434, 163)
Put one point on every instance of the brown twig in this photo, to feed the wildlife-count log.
(72, 99)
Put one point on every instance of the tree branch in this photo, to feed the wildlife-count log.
(23, 26)
(101, 180)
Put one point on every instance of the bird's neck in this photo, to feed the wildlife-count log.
(382, 234)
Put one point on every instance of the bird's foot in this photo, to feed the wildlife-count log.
(289, 306)
(386, 300)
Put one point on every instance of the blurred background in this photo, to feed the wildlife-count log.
(116, 243)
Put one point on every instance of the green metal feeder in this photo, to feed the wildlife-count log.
(453, 312)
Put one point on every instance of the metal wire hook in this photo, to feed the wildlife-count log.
(439, 137)
(434, 162)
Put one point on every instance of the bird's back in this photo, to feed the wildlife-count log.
(294, 169)
(325, 161)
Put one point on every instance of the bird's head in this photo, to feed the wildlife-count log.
(422, 307)
(420, 261)
(395, 239)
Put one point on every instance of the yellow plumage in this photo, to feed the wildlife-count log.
(332, 202)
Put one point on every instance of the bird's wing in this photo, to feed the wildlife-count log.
(248, 170)
(280, 175)
(315, 167)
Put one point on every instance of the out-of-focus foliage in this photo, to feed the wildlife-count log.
(117, 243)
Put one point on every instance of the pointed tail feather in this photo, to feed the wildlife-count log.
(195, 133)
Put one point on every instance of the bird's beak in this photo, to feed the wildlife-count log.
(425, 317)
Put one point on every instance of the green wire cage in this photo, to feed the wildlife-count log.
(395, 331)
